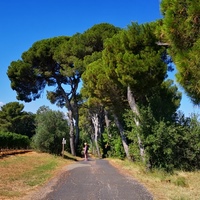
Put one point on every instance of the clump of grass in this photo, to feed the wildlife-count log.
(181, 181)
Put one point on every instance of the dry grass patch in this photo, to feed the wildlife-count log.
(179, 186)
(20, 174)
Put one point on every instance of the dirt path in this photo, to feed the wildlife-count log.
(95, 179)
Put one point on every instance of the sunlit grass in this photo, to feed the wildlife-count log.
(179, 186)
(20, 174)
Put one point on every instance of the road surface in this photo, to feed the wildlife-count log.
(95, 179)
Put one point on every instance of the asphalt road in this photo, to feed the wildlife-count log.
(95, 179)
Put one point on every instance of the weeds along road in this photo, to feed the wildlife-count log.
(95, 179)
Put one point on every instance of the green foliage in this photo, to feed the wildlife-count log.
(85, 126)
(37, 69)
(95, 37)
(95, 83)
(168, 145)
(181, 22)
(175, 145)
(85, 123)
(113, 144)
(164, 101)
(192, 147)
(182, 29)
(13, 141)
(84, 137)
(51, 128)
(133, 59)
(14, 119)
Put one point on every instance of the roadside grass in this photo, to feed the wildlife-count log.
(179, 186)
(22, 173)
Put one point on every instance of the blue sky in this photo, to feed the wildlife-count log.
(24, 22)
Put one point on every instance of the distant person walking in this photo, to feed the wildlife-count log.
(86, 151)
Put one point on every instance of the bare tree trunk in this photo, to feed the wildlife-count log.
(107, 121)
(76, 126)
(71, 113)
(95, 121)
(71, 133)
(133, 106)
(124, 141)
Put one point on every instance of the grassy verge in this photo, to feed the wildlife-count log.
(179, 186)
(20, 174)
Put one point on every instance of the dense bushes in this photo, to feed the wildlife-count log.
(13, 141)
(168, 145)
(112, 144)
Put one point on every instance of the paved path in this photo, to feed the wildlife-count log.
(93, 180)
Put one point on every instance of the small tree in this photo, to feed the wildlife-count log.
(51, 128)
(14, 119)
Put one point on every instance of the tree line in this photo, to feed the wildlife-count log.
(127, 106)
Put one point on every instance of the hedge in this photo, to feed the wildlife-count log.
(13, 141)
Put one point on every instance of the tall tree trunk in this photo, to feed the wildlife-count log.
(71, 133)
(107, 121)
(95, 121)
(76, 118)
(133, 106)
(71, 113)
(121, 131)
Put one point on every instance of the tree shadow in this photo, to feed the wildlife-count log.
(69, 158)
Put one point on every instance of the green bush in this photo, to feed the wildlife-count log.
(51, 128)
(169, 145)
(113, 147)
(13, 141)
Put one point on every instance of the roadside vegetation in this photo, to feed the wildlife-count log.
(181, 185)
